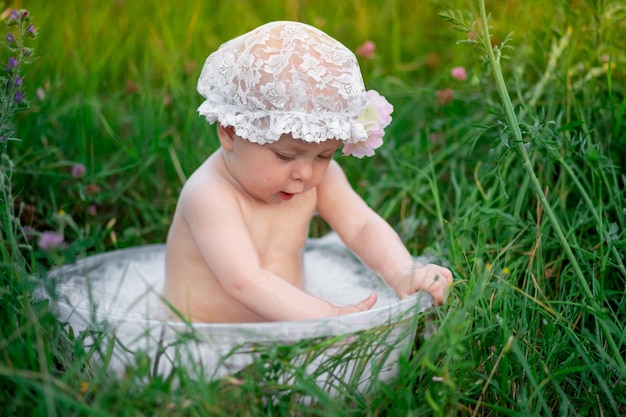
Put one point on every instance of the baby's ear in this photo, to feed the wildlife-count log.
(226, 135)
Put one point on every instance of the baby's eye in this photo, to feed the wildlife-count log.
(326, 156)
(283, 157)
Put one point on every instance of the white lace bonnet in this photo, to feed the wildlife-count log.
(291, 78)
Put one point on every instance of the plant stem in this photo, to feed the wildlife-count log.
(517, 145)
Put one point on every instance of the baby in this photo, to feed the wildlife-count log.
(285, 97)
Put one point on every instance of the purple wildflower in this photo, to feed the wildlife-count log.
(13, 62)
(10, 38)
(31, 30)
(18, 81)
(50, 240)
(78, 171)
(19, 96)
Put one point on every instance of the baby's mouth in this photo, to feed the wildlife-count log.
(285, 196)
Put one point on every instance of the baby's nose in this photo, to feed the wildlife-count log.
(302, 171)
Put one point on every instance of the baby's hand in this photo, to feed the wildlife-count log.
(432, 278)
(363, 305)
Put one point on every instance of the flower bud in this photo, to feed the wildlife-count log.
(445, 96)
(31, 31)
(78, 171)
(14, 17)
(459, 73)
(367, 50)
(49, 240)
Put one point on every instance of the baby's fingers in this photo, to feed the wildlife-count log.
(439, 294)
(367, 303)
(363, 305)
(440, 285)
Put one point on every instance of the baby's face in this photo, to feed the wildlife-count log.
(277, 172)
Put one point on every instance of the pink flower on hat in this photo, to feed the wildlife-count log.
(375, 117)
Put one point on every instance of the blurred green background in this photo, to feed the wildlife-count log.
(114, 87)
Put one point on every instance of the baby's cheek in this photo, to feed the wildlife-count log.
(318, 176)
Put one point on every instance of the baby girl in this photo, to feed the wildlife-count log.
(285, 97)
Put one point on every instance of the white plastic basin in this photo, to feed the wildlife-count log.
(117, 295)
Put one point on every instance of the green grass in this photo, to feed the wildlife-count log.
(535, 322)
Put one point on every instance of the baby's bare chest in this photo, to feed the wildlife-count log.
(280, 230)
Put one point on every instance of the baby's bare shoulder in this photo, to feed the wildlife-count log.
(206, 187)
(334, 181)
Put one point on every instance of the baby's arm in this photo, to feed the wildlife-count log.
(219, 231)
(374, 241)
